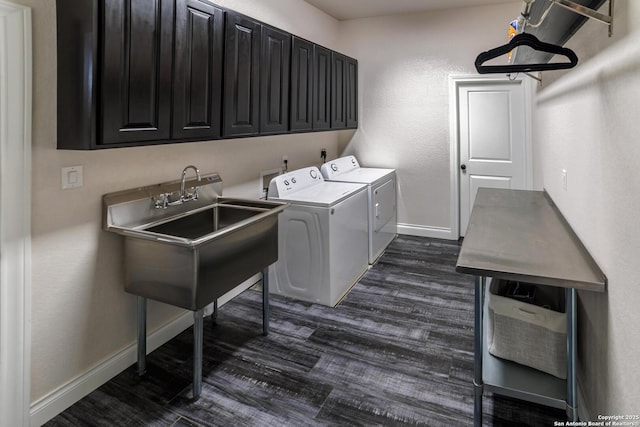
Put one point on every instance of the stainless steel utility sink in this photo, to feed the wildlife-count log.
(190, 248)
(191, 253)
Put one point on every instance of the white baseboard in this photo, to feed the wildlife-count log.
(426, 231)
(239, 289)
(57, 401)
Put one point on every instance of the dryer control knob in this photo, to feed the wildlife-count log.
(334, 167)
(313, 173)
(293, 180)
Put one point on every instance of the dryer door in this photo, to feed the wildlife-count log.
(383, 219)
(384, 205)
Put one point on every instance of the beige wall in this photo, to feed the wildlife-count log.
(587, 123)
(404, 66)
(81, 316)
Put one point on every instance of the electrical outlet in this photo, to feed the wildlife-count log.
(285, 163)
(323, 154)
(564, 179)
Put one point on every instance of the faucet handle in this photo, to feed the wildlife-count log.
(161, 201)
(187, 196)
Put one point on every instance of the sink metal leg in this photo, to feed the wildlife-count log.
(572, 340)
(214, 315)
(142, 335)
(478, 383)
(197, 352)
(265, 301)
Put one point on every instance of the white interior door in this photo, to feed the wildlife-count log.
(492, 126)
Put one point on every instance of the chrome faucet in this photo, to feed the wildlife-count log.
(163, 200)
(184, 196)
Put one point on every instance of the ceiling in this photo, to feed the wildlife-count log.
(353, 9)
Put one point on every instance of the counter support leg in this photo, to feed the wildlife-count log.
(477, 365)
(265, 301)
(142, 335)
(197, 352)
(572, 340)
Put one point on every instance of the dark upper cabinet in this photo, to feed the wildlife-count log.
(241, 76)
(197, 84)
(351, 93)
(321, 88)
(78, 86)
(344, 92)
(275, 65)
(301, 105)
(338, 90)
(136, 71)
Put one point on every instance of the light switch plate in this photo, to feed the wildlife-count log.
(72, 177)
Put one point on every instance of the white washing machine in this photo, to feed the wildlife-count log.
(382, 199)
(322, 236)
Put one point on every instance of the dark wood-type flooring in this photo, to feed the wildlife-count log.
(398, 350)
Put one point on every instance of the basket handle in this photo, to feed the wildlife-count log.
(529, 314)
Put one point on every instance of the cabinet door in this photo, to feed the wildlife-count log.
(136, 70)
(321, 88)
(338, 89)
(242, 79)
(351, 94)
(197, 98)
(77, 79)
(274, 81)
(301, 106)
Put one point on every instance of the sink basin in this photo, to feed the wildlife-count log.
(202, 223)
(194, 225)
(191, 254)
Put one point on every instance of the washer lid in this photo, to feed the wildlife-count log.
(324, 194)
(365, 175)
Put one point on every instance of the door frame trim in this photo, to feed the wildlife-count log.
(455, 81)
(15, 213)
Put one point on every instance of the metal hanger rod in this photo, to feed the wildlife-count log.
(567, 4)
(584, 11)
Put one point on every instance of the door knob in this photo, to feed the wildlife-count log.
(463, 167)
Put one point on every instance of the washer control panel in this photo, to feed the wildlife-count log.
(294, 181)
(339, 166)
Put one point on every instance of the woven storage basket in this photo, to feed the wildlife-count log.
(528, 334)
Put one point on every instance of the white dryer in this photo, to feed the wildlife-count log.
(322, 236)
(382, 199)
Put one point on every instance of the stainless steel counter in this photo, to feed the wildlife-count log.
(521, 235)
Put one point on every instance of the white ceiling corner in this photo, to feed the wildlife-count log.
(354, 9)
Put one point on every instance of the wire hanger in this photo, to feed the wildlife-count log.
(525, 39)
